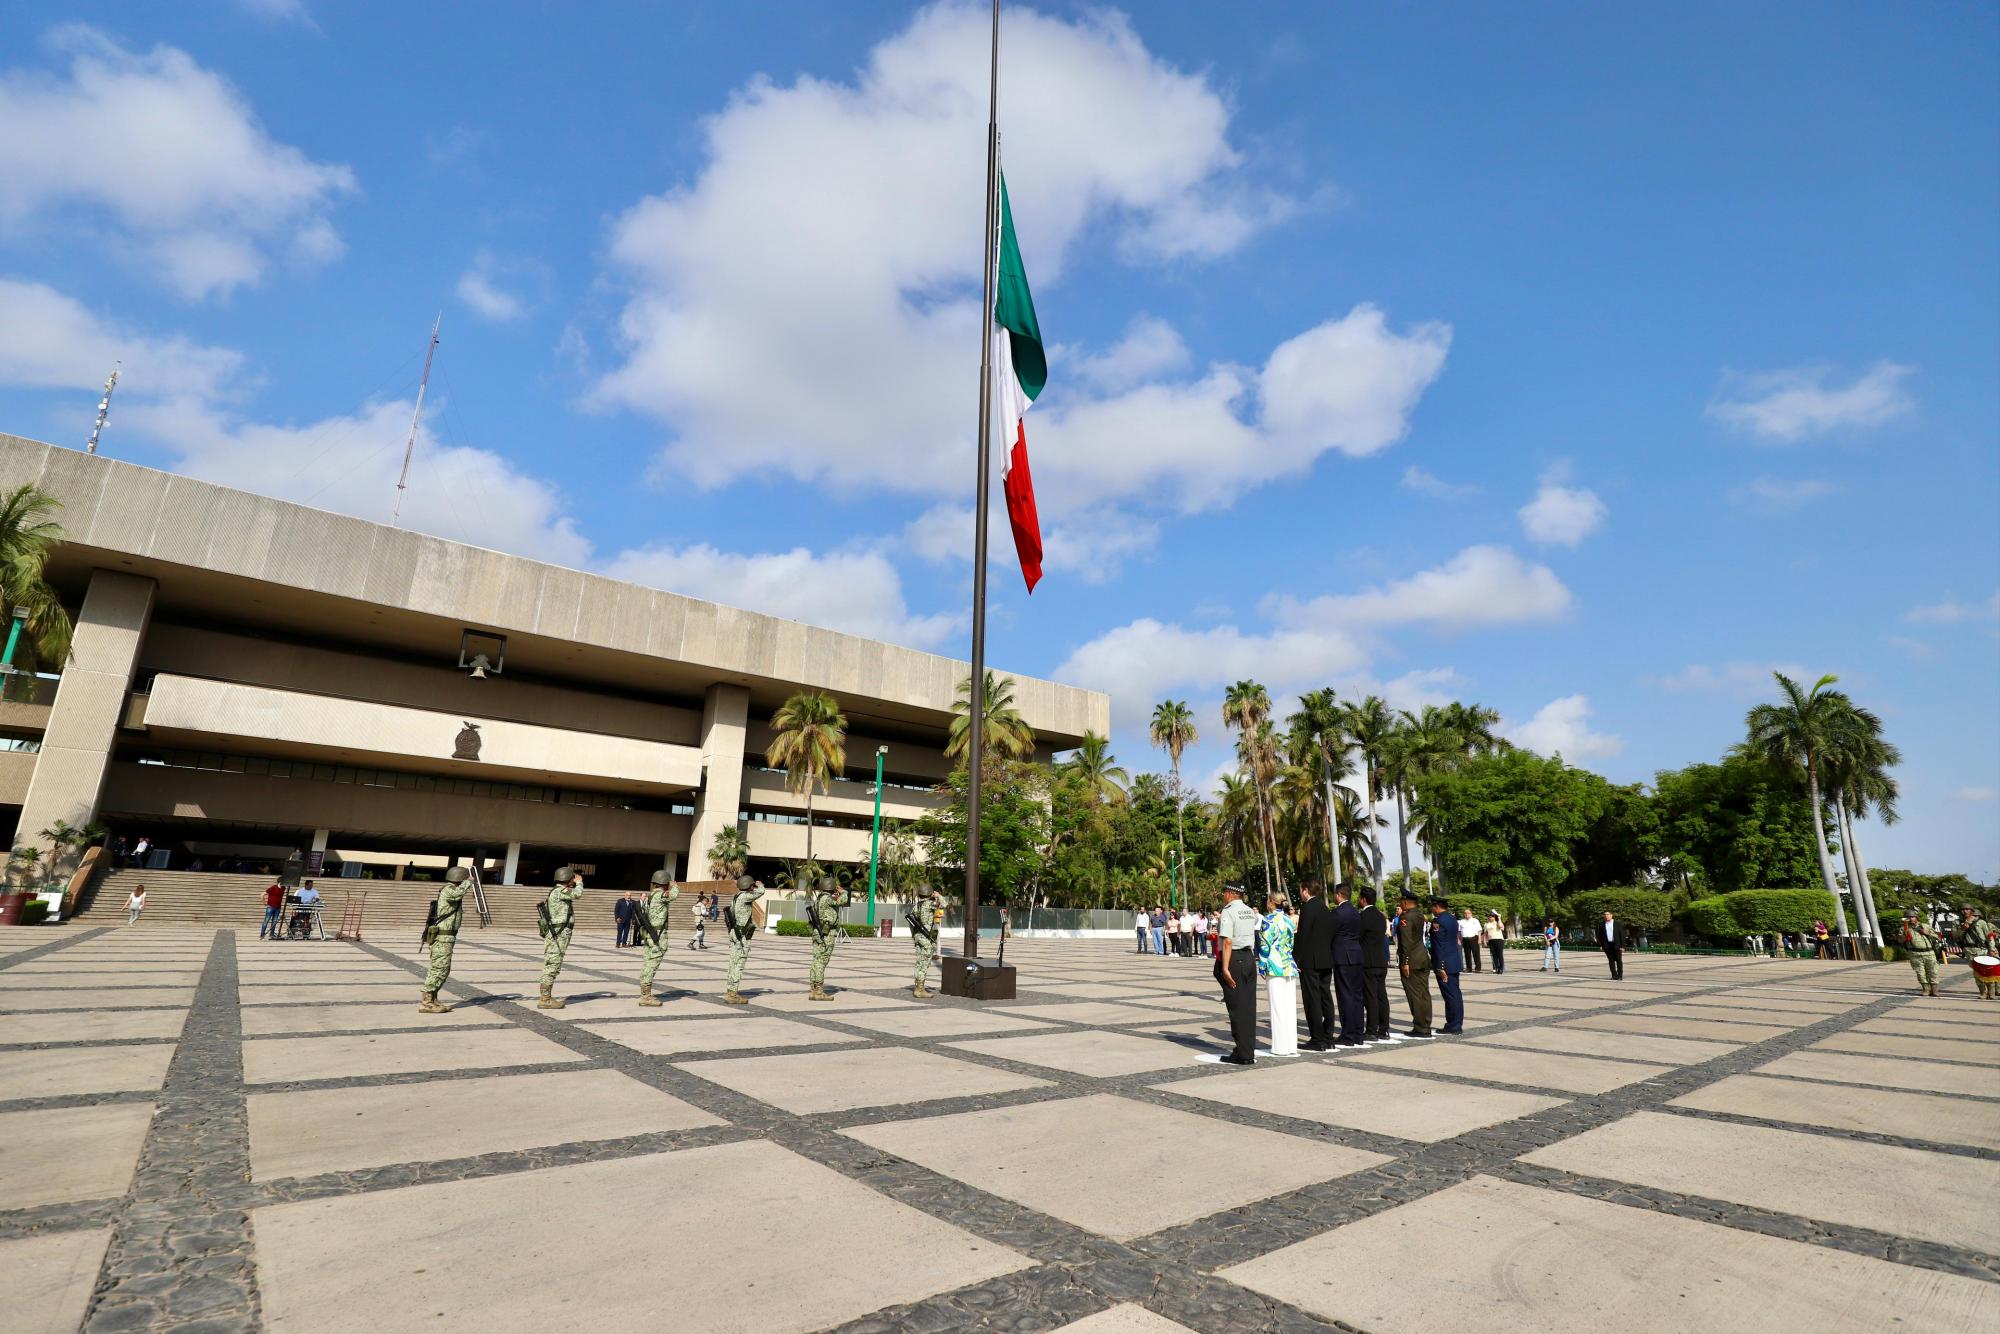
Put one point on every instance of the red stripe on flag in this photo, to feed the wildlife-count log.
(1019, 488)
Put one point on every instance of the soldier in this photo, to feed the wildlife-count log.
(441, 934)
(823, 914)
(557, 914)
(1976, 935)
(1415, 962)
(650, 922)
(1923, 946)
(921, 918)
(742, 923)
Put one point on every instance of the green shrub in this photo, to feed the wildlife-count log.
(1764, 910)
(1639, 909)
(798, 926)
(1710, 917)
(34, 912)
(1481, 904)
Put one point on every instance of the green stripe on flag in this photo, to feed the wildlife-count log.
(1014, 308)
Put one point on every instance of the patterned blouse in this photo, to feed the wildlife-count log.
(1274, 947)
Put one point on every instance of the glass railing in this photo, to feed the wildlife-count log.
(21, 687)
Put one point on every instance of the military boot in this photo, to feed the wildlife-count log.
(920, 991)
(733, 998)
(548, 1000)
(818, 993)
(431, 1006)
(646, 996)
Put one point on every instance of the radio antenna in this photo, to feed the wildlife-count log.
(403, 482)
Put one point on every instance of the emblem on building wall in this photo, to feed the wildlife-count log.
(468, 743)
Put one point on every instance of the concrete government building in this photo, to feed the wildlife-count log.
(250, 677)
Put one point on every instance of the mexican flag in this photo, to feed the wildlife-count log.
(1020, 370)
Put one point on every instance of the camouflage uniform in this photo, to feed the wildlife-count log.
(827, 901)
(742, 926)
(442, 936)
(1976, 936)
(922, 921)
(562, 921)
(651, 926)
(1923, 944)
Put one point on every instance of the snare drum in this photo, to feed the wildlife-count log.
(1985, 967)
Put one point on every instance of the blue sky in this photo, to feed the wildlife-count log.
(1588, 362)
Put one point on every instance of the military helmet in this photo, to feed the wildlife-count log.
(457, 875)
(565, 875)
(663, 878)
(745, 883)
(828, 885)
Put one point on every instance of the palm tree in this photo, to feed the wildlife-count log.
(1246, 706)
(1370, 728)
(1857, 776)
(1002, 731)
(1238, 815)
(1103, 778)
(1473, 725)
(1173, 731)
(809, 741)
(28, 533)
(1430, 744)
(1796, 734)
(728, 853)
(1317, 726)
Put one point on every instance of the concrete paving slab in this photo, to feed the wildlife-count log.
(1938, 1049)
(941, 1021)
(842, 1002)
(95, 998)
(1793, 1172)
(1097, 1161)
(1536, 1069)
(1924, 1026)
(462, 1246)
(741, 1033)
(1100, 1055)
(841, 1081)
(77, 1153)
(91, 1025)
(1548, 1262)
(27, 977)
(65, 1071)
(1942, 1012)
(268, 1019)
(1922, 1076)
(581, 1007)
(1126, 1318)
(327, 993)
(49, 1278)
(1746, 1014)
(1093, 1012)
(1383, 1104)
(1667, 1026)
(309, 1132)
(1911, 1115)
(280, 1060)
(1596, 1042)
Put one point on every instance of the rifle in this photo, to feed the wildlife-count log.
(812, 917)
(430, 921)
(542, 918)
(645, 925)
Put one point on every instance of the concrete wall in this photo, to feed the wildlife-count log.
(387, 733)
(17, 770)
(76, 746)
(720, 805)
(768, 790)
(789, 841)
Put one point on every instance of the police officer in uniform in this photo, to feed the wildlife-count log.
(1236, 972)
(823, 915)
(441, 934)
(742, 924)
(557, 921)
(1923, 946)
(649, 925)
(1414, 961)
(922, 919)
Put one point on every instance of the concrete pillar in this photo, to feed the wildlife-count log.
(725, 720)
(671, 863)
(510, 874)
(76, 749)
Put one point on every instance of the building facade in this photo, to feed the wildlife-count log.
(250, 677)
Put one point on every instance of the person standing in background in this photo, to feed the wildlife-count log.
(1347, 963)
(1468, 939)
(1312, 952)
(1552, 947)
(135, 905)
(1201, 945)
(1236, 974)
(1159, 931)
(1281, 977)
(1448, 961)
(1496, 941)
(1143, 924)
(621, 911)
(1614, 951)
(274, 907)
(1414, 961)
(1374, 969)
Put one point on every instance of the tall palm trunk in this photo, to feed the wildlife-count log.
(1180, 820)
(809, 826)
(1819, 843)
(1867, 885)
(1403, 836)
(1332, 822)
(1857, 884)
(1374, 830)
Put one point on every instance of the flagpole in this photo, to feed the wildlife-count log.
(976, 697)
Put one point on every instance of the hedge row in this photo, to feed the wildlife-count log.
(1757, 912)
(1481, 904)
(34, 912)
(791, 926)
(1637, 909)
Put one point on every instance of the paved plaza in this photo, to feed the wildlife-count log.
(200, 1130)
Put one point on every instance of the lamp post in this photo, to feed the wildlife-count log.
(7, 668)
(1173, 866)
(875, 838)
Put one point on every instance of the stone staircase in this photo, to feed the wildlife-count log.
(205, 898)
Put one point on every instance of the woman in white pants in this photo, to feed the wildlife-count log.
(135, 905)
(1281, 977)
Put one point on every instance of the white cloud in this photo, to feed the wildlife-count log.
(1743, 679)
(1977, 794)
(1141, 662)
(279, 11)
(1427, 483)
(822, 247)
(479, 288)
(1793, 405)
(1781, 495)
(1562, 727)
(1951, 612)
(1561, 515)
(1481, 585)
(51, 341)
(857, 591)
(171, 153)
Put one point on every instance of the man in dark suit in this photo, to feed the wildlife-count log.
(1614, 953)
(1312, 950)
(1347, 983)
(1374, 967)
(622, 910)
(1448, 961)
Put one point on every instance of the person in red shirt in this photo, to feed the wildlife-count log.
(274, 907)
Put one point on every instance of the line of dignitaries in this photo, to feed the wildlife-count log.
(1343, 957)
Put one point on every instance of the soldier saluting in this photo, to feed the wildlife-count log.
(651, 922)
(742, 923)
(1923, 944)
(823, 907)
(441, 934)
(557, 919)
(922, 921)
